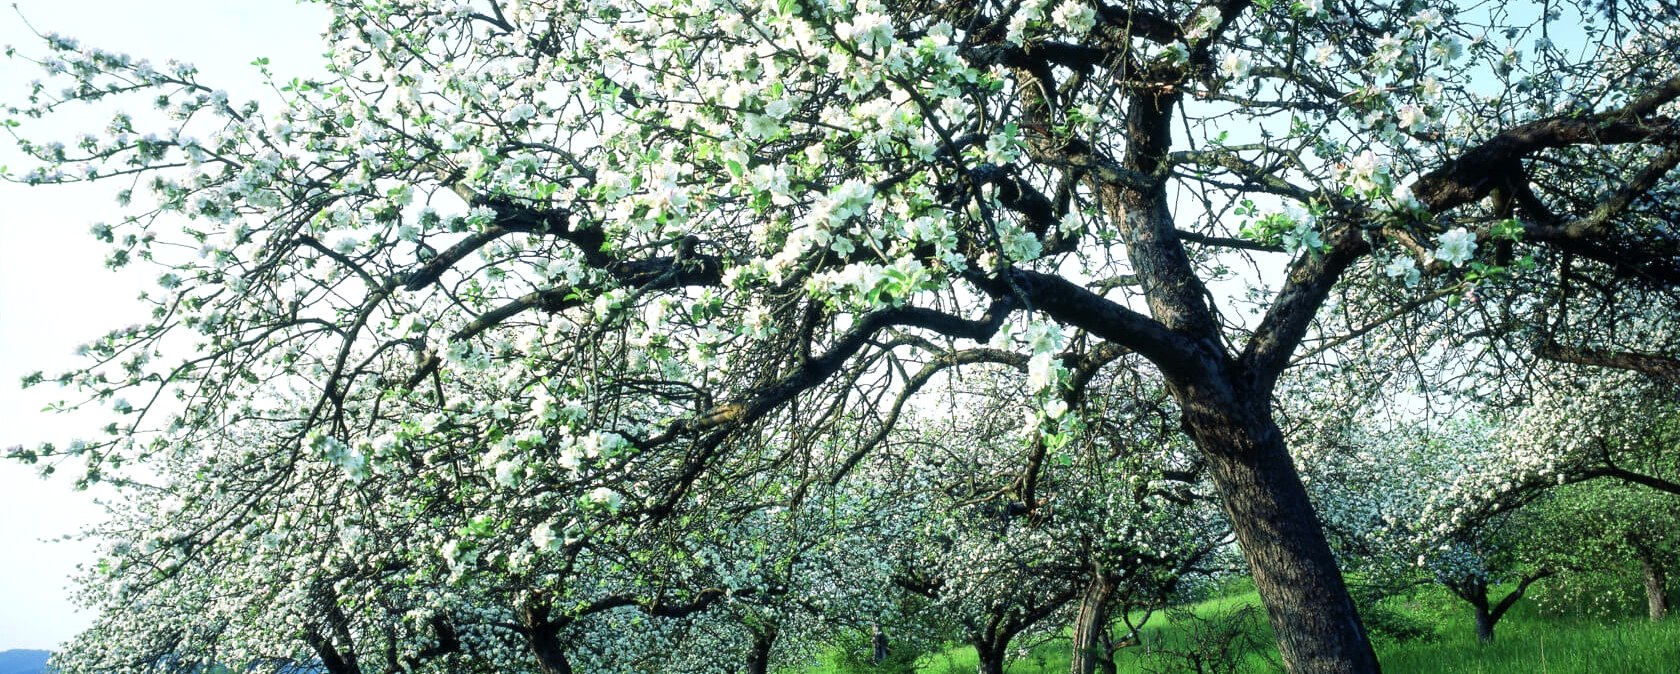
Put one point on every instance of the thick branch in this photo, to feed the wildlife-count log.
(1522, 588)
(1488, 165)
(1665, 368)
(511, 218)
(819, 368)
(1618, 473)
(1077, 306)
(1597, 223)
(660, 273)
(1292, 312)
(1228, 242)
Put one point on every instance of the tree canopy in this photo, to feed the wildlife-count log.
(549, 297)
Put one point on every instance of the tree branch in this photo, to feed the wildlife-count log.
(1310, 278)
(1664, 368)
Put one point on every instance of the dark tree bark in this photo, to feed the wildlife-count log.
(758, 658)
(551, 658)
(992, 657)
(1484, 621)
(336, 647)
(542, 632)
(542, 636)
(1318, 629)
(335, 661)
(1226, 404)
(991, 638)
(1475, 591)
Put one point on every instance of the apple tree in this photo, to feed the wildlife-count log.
(683, 226)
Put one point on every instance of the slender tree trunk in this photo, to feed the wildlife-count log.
(1318, 629)
(1090, 650)
(1656, 588)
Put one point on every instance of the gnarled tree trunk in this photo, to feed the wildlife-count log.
(991, 657)
(1318, 629)
(542, 635)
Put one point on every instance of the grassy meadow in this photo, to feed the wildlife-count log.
(1527, 642)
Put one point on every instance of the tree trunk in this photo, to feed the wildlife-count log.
(1484, 623)
(1656, 588)
(551, 658)
(1318, 629)
(1090, 650)
(332, 659)
(758, 659)
(543, 636)
(991, 659)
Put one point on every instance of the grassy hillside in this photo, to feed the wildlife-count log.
(1527, 643)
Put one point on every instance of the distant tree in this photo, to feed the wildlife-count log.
(1601, 534)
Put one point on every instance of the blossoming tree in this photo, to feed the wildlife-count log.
(1020, 534)
(616, 244)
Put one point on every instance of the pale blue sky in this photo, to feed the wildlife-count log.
(54, 290)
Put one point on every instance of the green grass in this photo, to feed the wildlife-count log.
(1526, 643)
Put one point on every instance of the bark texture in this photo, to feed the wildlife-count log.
(1090, 650)
(1318, 629)
(1656, 589)
(551, 658)
(542, 635)
(1484, 622)
(991, 660)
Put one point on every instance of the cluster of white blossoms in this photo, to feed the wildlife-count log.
(1456, 246)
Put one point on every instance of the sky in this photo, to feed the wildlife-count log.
(55, 292)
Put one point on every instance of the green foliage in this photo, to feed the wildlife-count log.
(854, 654)
(1601, 594)
(1597, 535)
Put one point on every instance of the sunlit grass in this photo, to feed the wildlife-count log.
(1526, 643)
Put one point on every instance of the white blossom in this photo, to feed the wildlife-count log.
(1456, 246)
(1403, 269)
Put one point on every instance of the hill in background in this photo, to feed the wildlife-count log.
(19, 661)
